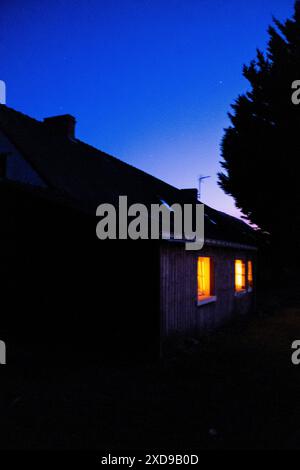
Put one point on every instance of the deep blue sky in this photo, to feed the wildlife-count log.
(149, 81)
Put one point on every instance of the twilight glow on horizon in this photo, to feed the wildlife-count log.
(149, 81)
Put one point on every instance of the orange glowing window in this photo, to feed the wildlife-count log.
(250, 275)
(240, 275)
(204, 287)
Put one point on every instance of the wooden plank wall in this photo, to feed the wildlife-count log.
(180, 313)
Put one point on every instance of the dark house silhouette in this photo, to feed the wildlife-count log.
(64, 289)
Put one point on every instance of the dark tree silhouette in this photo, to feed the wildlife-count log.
(261, 148)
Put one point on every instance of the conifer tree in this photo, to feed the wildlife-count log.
(261, 148)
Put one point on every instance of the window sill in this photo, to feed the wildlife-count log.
(240, 293)
(206, 301)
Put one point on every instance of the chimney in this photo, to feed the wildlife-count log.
(63, 125)
(190, 195)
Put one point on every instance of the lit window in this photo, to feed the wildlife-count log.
(240, 275)
(204, 286)
(250, 275)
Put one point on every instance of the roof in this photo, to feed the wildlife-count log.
(89, 177)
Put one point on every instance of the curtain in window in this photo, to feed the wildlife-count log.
(240, 275)
(203, 277)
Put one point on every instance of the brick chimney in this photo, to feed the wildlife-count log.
(63, 125)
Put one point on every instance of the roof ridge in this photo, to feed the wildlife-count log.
(91, 176)
(127, 165)
(14, 111)
(103, 153)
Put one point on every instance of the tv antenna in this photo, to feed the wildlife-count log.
(201, 178)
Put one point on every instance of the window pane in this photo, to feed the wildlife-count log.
(240, 275)
(203, 278)
(250, 274)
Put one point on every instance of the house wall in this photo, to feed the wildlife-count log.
(68, 296)
(179, 310)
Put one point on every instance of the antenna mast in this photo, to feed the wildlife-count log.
(200, 181)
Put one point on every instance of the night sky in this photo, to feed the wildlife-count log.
(149, 81)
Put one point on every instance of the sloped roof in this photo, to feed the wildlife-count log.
(89, 177)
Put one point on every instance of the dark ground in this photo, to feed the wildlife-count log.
(235, 389)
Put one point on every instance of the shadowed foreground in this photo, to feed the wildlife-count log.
(237, 389)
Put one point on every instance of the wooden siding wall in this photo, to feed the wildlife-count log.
(180, 313)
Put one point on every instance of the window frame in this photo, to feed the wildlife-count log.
(207, 299)
(244, 274)
(250, 282)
